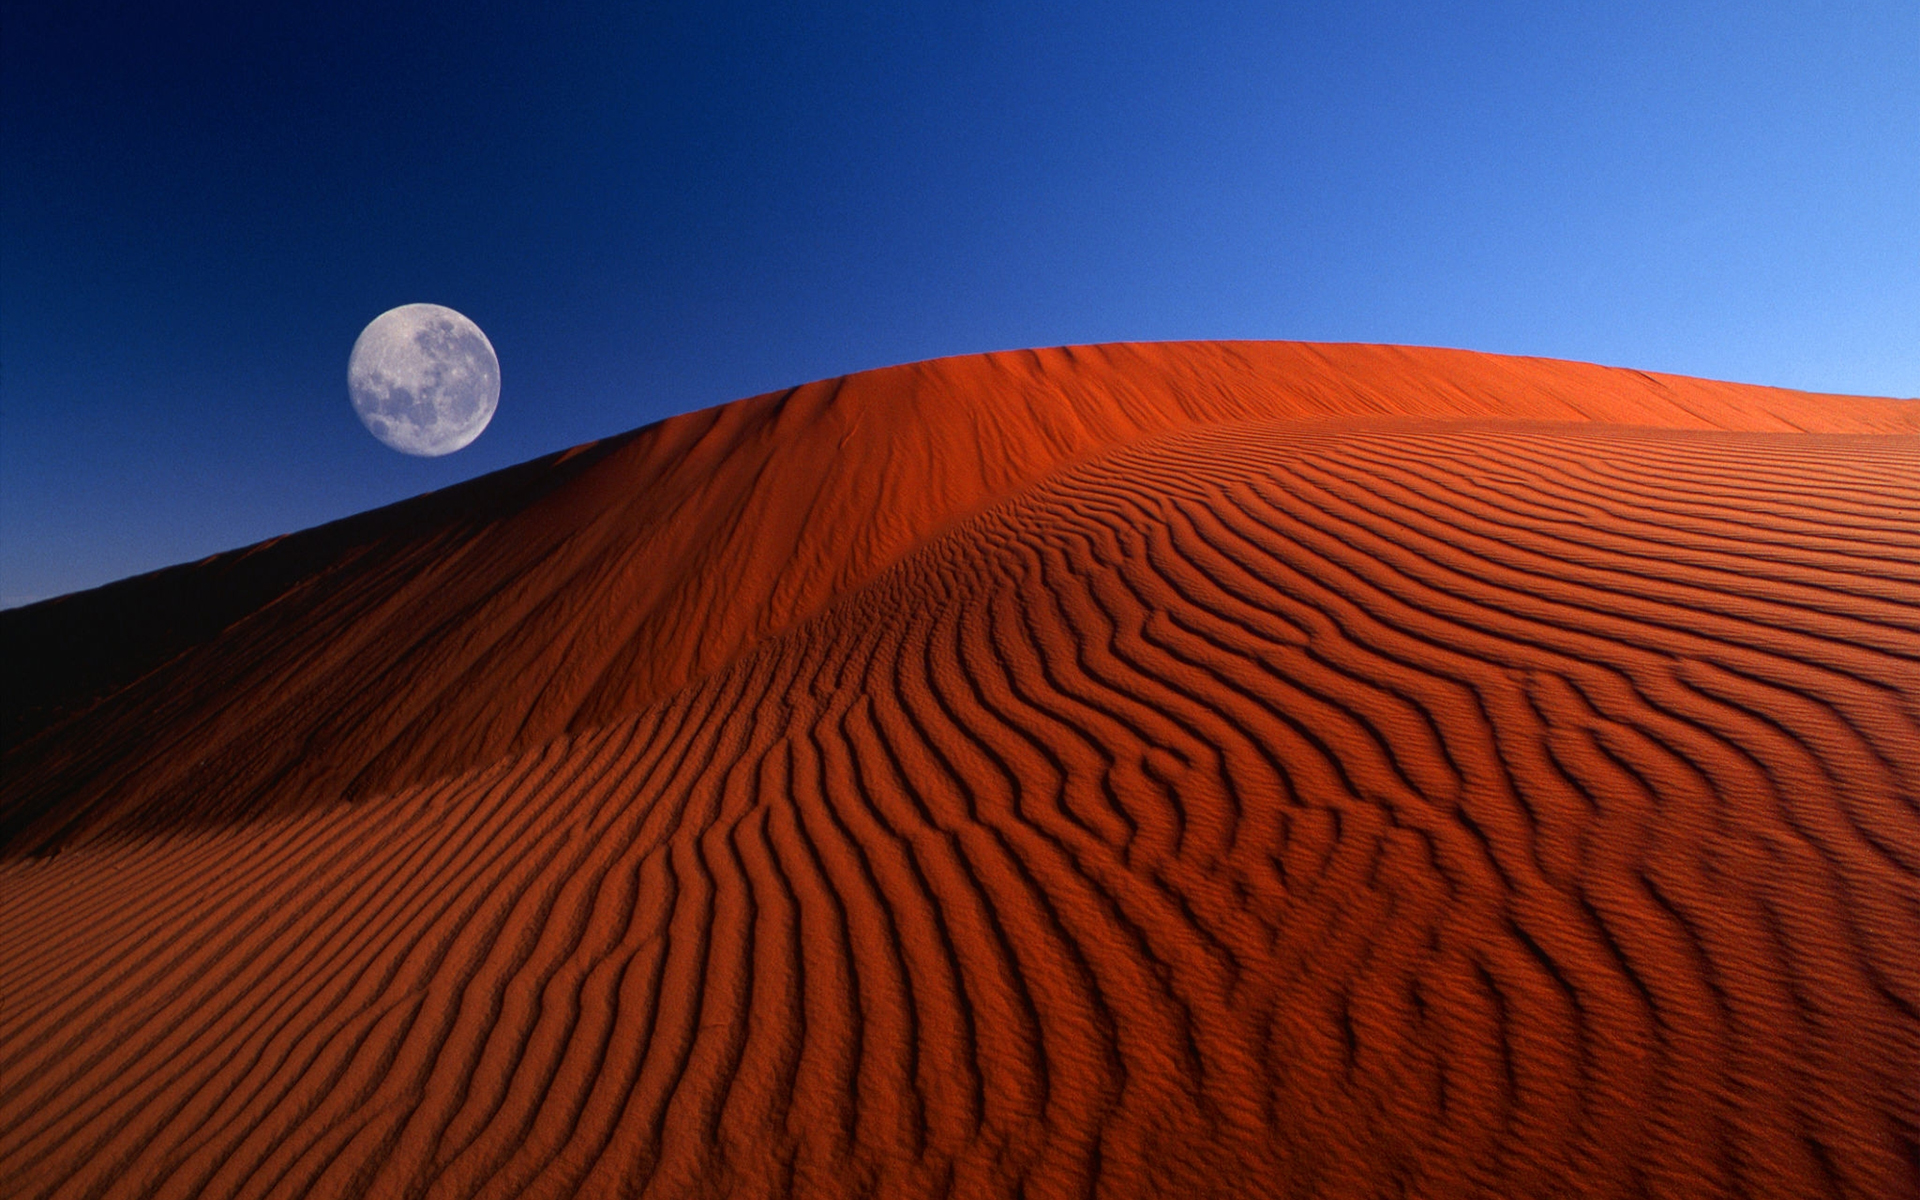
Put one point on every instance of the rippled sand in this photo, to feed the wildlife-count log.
(1212, 769)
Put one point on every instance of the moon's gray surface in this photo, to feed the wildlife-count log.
(424, 379)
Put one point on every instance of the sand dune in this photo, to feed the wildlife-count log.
(1217, 769)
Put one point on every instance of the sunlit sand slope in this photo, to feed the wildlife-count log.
(1316, 803)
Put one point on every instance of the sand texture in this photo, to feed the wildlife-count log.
(1190, 770)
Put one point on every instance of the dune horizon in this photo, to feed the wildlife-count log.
(1150, 769)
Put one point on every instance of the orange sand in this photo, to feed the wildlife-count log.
(1215, 769)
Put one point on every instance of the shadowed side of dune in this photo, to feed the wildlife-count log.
(1246, 811)
(66, 654)
(446, 632)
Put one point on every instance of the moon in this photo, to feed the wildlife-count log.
(424, 379)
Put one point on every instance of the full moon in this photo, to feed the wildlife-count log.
(424, 379)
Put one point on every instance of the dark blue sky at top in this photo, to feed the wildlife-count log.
(652, 208)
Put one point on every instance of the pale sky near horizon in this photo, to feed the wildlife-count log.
(655, 208)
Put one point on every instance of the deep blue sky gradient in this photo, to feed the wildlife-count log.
(652, 208)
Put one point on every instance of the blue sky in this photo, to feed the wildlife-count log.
(652, 208)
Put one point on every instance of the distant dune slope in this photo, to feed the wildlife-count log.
(442, 633)
(1193, 770)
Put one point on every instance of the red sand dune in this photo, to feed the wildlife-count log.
(1222, 769)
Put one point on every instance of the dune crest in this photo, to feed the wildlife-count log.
(1201, 769)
